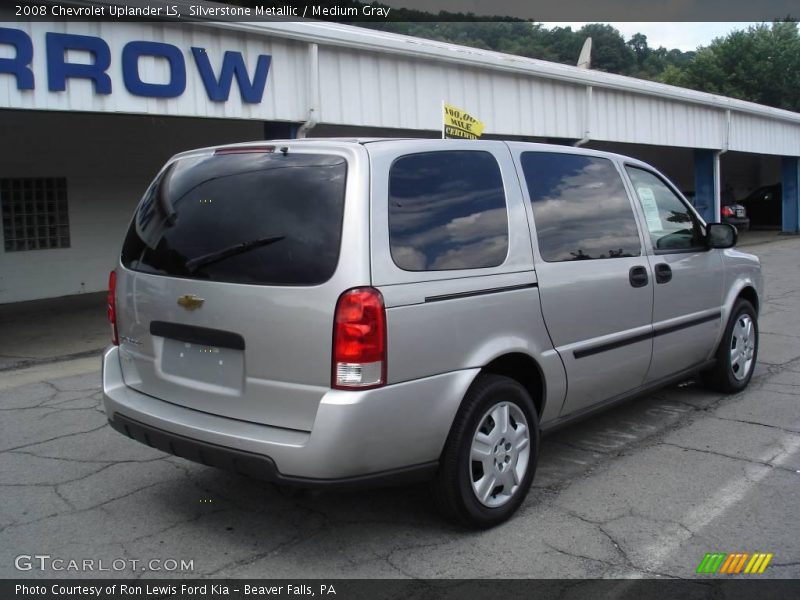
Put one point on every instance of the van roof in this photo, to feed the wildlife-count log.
(376, 140)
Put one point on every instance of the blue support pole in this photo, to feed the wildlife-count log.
(705, 184)
(790, 193)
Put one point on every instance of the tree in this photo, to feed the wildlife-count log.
(563, 44)
(760, 64)
(609, 51)
(638, 43)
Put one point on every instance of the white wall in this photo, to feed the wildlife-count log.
(108, 161)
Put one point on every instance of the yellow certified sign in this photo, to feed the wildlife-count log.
(459, 124)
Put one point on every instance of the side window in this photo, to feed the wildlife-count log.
(580, 207)
(669, 220)
(447, 210)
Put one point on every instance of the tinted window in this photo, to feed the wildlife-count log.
(580, 207)
(671, 224)
(447, 210)
(244, 218)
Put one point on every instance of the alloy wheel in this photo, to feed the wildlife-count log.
(743, 344)
(499, 454)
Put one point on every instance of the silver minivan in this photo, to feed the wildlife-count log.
(340, 313)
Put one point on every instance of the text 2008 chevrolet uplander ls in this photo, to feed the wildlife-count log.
(363, 311)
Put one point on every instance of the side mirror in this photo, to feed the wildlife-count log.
(721, 235)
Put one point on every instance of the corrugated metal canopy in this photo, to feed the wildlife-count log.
(380, 79)
(345, 75)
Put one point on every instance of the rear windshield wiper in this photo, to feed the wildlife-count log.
(218, 255)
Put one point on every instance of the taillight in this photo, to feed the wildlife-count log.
(359, 340)
(112, 306)
(727, 211)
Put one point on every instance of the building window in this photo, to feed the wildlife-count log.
(35, 213)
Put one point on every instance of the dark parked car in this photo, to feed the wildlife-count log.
(731, 212)
(735, 214)
(764, 206)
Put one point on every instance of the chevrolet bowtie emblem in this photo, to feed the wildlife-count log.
(190, 301)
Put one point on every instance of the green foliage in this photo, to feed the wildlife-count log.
(610, 51)
(760, 64)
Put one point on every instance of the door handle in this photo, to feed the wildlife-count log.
(638, 276)
(663, 273)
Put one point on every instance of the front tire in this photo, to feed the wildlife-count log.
(737, 352)
(490, 456)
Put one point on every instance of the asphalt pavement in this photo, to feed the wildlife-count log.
(644, 490)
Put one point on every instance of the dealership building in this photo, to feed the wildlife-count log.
(89, 111)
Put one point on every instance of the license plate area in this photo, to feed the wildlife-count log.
(740, 212)
(203, 363)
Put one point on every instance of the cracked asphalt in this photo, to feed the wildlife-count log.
(643, 490)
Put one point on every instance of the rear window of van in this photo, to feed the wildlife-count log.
(255, 217)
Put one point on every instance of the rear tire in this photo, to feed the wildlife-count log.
(737, 352)
(490, 456)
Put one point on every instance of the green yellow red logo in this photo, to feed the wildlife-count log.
(734, 563)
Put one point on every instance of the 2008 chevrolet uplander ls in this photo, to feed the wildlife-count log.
(363, 311)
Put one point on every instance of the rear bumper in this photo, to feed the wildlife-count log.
(257, 465)
(387, 435)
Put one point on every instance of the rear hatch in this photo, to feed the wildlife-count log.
(229, 282)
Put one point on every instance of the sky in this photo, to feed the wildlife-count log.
(684, 35)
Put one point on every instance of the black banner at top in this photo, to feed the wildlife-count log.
(354, 11)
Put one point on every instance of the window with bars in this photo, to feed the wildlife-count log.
(35, 213)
